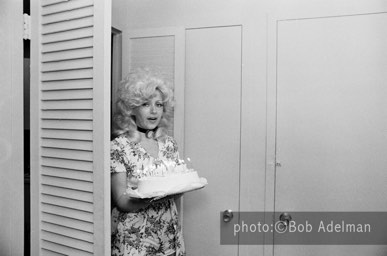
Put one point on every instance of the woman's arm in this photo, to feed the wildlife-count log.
(121, 199)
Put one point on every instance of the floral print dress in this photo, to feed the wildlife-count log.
(154, 230)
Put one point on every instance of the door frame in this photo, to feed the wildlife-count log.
(116, 64)
(11, 130)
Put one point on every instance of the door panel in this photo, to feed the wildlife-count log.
(70, 99)
(331, 120)
(212, 133)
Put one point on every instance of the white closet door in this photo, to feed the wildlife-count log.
(331, 126)
(213, 135)
(70, 99)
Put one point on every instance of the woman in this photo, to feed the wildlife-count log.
(144, 112)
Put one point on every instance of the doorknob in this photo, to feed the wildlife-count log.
(227, 215)
(285, 219)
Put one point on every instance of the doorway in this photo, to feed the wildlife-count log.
(116, 66)
(26, 118)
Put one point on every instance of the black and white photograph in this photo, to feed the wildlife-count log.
(193, 127)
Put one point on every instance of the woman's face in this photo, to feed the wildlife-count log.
(148, 115)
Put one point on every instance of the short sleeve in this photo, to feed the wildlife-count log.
(118, 159)
(170, 150)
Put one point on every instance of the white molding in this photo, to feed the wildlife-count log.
(35, 99)
(323, 9)
(179, 123)
(304, 16)
(179, 88)
(101, 126)
(153, 32)
(11, 128)
(271, 97)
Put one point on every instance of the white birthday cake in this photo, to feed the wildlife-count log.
(166, 177)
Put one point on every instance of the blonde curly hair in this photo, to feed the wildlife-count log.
(137, 88)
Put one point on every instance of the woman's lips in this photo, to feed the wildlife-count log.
(152, 119)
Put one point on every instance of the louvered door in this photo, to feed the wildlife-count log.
(70, 99)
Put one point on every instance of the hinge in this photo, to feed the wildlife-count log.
(26, 26)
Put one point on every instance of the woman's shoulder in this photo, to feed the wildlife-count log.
(170, 141)
(169, 149)
(122, 141)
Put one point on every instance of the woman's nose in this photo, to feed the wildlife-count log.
(153, 109)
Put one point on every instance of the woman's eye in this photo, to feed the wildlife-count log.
(160, 105)
(146, 104)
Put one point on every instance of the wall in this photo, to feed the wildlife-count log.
(256, 18)
(11, 128)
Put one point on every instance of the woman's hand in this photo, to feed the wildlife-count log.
(139, 203)
(129, 204)
(121, 199)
